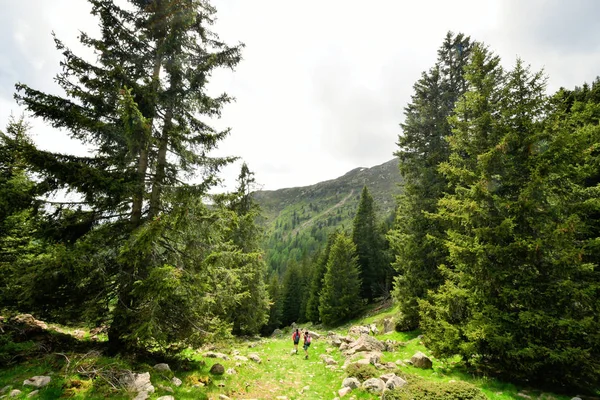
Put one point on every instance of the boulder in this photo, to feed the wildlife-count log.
(37, 381)
(223, 397)
(344, 391)
(162, 367)
(166, 388)
(420, 360)
(138, 383)
(373, 385)
(231, 371)
(217, 369)
(352, 383)
(393, 381)
(315, 335)
(30, 323)
(176, 381)
(364, 343)
(277, 332)
(254, 357)
(212, 354)
(143, 395)
(240, 358)
(329, 361)
(358, 330)
(389, 325)
(14, 393)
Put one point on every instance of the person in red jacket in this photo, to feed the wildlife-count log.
(296, 339)
(307, 340)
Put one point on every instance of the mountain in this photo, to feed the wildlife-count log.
(298, 220)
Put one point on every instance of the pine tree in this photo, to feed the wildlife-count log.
(275, 306)
(417, 239)
(320, 268)
(291, 294)
(141, 99)
(340, 296)
(516, 262)
(369, 247)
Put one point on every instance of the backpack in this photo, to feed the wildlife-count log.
(295, 336)
(307, 339)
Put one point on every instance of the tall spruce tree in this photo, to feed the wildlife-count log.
(275, 305)
(417, 239)
(516, 262)
(141, 99)
(340, 297)
(320, 268)
(369, 242)
(291, 296)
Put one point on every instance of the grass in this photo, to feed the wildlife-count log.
(279, 374)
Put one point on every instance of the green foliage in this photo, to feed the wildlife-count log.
(520, 299)
(362, 372)
(369, 248)
(340, 297)
(275, 306)
(417, 239)
(320, 269)
(421, 389)
(292, 293)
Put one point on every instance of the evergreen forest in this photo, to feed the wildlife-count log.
(481, 236)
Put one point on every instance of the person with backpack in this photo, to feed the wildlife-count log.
(296, 339)
(307, 340)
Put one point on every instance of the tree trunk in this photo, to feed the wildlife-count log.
(161, 162)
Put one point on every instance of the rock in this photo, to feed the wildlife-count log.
(223, 397)
(37, 381)
(364, 343)
(277, 332)
(5, 389)
(336, 342)
(254, 357)
(217, 369)
(344, 391)
(373, 329)
(33, 394)
(138, 383)
(523, 395)
(358, 330)
(98, 330)
(176, 381)
(14, 393)
(420, 360)
(231, 371)
(143, 395)
(352, 383)
(373, 385)
(240, 358)
(315, 335)
(407, 362)
(344, 346)
(305, 389)
(31, 323)
(212, 354)
(281, 397)
(166, 398)
(576, 398)
(329, 361)
(391, 365)
(162, 367)
(235, 352)
(390, 345)
(389, 325)
(395, 382)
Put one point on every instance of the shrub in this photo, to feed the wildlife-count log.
(362, 372)
(420, 389)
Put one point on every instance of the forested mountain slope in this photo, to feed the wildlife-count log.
(298, 220)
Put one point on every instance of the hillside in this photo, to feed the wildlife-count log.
(298, 220)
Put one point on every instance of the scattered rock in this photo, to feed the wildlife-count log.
(254, 357)
(223, 397)
(176, 381)
(217, 369)
(5, 389)
(37, 381)
(166, 388)
(391, 365)
(395, 382)
(523, 395)
(162, 367)
(30, 322)
(15, 393)
(352, 383)
(344, 391)
(98, 330)
(576, 398)
(305, 389)
(166, 398)
(358, 330)
(329, 360)
(33, 394)
(315, 335)
(143, 395)
(231, 371)
(240, 358)
(138, 383)
(212, 354)
(364, 343)
(281, 397)
(277, 332)
(389, 325)
(420, 360)
(373, 385)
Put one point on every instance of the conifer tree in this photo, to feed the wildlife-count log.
(312, 310)
(369, 243)
(275, 305)
(417, 239)
(340, 297)
(291, 293)
(144, 96)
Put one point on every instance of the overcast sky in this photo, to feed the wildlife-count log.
(323, 83)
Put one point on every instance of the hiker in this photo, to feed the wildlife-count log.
(296, 339)
(307, 340)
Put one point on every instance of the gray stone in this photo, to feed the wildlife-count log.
(176, 381)
(217, 369)
(388, 325)
(212, 354)
(15, 393)
(344, 391)
(162, 367)
(277, 332)
(305, 389)
(223, 397)
(37, 381)
(240, 358)
(329, 361)
(169, 397)
(395, 382)
(254, 357)
(373, 385)
(5, 389)
(420, 360)
(166, 388)
(143, 395)
(138, 383)
(231, 371)
(33, 394)
(352, 383)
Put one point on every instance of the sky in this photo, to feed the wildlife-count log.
(323, 84)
